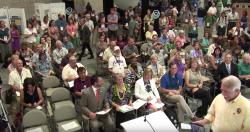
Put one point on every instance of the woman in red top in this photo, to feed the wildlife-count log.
(72, 31)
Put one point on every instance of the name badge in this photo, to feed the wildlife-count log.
(61, 28)
(182, 53)
(208, 24)
(183, 61)
(5, 38)
(194, 28)
(186, 20)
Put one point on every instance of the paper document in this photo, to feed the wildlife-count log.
(71, 84)
(158, 105)
(39, 129)
(138, 103)
(185, 126)
(70, 125)
(17, 93)
(103, 112)
(126, 108)
(39, 107)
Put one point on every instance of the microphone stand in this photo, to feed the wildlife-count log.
(145, 117)
(5, 116)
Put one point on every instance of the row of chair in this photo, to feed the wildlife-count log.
(60, 113)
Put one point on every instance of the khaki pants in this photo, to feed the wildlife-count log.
(182, 106)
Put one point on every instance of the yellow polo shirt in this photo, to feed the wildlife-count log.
(233, 116)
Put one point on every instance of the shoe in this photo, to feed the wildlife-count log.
(91, 57)
(195, 118)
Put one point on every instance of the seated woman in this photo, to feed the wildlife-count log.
(120, 95)
(31, 95)
(145, 89)
(216, 59)
(43, 67)
(197, 54)
(194, 83)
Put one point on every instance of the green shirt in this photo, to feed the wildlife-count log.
(243, 69)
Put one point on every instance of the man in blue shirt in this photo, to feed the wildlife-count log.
(171, 88)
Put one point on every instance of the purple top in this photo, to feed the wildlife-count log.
(180, 67)
(79, 84)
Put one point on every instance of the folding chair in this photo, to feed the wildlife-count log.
(35, 120)
(66, 119)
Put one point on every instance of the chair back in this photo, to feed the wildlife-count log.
(65, 112)
(60, 94)
(50, 82)
(34, 118)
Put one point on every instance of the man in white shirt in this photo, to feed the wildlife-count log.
(229, 111)
(117, 63)
(17, 76)
(59, 52)
(212, 10)
(89, 23)
(69, 72)
(232, 18)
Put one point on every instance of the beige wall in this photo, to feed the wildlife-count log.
(28, 5)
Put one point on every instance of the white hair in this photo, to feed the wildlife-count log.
(231, 82)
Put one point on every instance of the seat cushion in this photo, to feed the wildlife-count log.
(43, 128)
(73, 125)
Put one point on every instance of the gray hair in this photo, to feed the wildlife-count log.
(232, 82)
(245, 55)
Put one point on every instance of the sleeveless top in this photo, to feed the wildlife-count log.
(194, 77)
(31, 98)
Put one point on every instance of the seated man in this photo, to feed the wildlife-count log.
(108, 52)
(160, 52)
(171, 88)
(58, 55)
(69, 72)
(244, 70)
(229, 111)
(157, 69)
(117, 63)
(17, 76)
(82, 82)
(130, 49)
(94, 100)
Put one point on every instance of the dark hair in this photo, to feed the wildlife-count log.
(171, 64)
(80, 69)
(50, 22)
(94, 79)
(217, 48)
(28, 81)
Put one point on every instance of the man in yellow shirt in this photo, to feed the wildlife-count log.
(229, 111)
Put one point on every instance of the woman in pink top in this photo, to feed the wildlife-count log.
(71, 31)
(181, 38)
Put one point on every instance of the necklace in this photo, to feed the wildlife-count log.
(119, 91)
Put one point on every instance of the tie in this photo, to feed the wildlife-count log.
(228, 69)
(97, 94)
